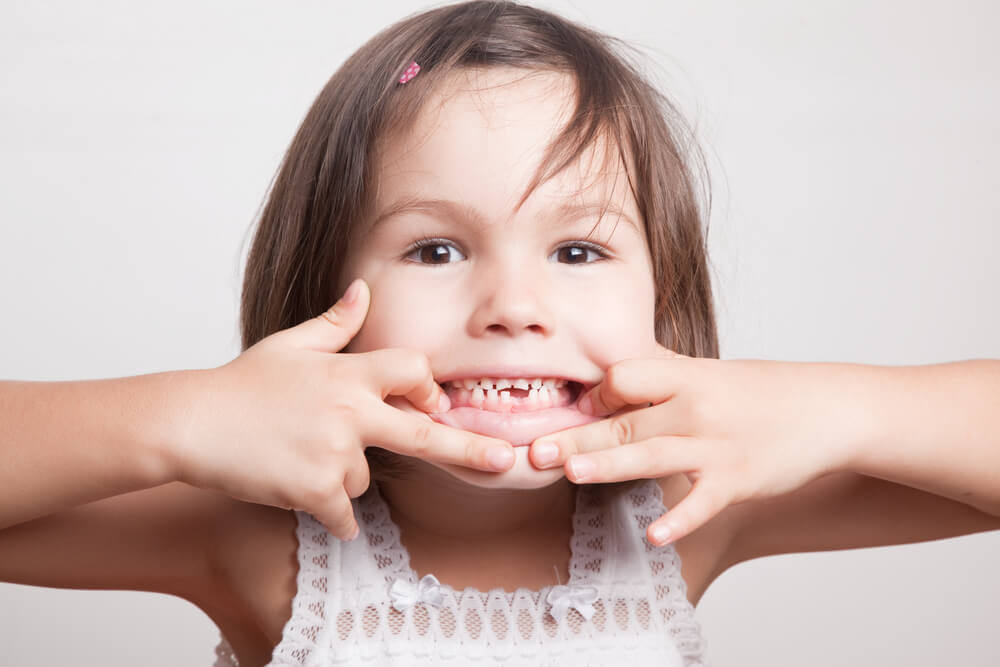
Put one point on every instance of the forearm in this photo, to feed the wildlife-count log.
(934, 427)
(63, 444)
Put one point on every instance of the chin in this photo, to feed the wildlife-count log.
(522, 475)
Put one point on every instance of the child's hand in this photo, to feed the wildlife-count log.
(739, 429)
(286, 423)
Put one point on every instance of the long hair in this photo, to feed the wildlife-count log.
(322, 196)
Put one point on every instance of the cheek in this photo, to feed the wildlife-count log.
(620, 322)
(399, 317)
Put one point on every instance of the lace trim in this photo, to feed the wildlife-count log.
(498, 618)
(302, 629)
(586, 548)
(671, 599)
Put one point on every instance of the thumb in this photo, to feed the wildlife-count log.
(332, 330)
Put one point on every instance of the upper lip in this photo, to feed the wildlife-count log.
(511, 372)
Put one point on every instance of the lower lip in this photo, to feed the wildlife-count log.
(517, 428)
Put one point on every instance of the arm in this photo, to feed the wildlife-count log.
(64, 444)
(935, 428)
(88, 500)
(924, 467)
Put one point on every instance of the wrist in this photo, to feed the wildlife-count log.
(173, 402)
(867, 393)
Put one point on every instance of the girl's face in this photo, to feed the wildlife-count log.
(486, 291)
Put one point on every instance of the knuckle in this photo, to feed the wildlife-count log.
(332, 316)
(344, 416)
(422, 439)
(621, 429)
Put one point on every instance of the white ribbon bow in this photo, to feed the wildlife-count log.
(577, 596)
(404, 594)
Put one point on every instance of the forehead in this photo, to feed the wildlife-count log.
(481, 137)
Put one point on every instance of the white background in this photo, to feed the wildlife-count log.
(853, 149)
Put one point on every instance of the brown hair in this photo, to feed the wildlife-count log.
(323, 193)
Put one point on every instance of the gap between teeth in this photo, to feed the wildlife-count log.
(541, 396)
(490, 392)
(487, 384)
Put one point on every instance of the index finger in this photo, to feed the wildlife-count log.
(402, 372)
(630, 382)
(423, 438)
(621, 429)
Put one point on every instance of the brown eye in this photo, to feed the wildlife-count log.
(433, 252)
(578, 253)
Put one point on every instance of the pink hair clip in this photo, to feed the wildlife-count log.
(410, 72)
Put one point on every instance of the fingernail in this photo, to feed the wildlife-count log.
(581, 468)
(586, 405)
(661, 534)
(357, 531)
(351, 295)
(500, 459)
(444, 403)
(545, 452)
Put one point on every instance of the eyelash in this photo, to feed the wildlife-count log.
(427, 241)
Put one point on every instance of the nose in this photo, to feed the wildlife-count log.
(511, 302)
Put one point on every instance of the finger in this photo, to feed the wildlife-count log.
(402, 372)
(656, 457)
(336, 513)
(631, 382)
(629, 426)
(405, 434)
(358, 476)
(702, 503)
(332, 330)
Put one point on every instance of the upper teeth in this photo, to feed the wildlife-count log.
(504, 383)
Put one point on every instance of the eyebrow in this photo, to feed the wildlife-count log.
(461, 211)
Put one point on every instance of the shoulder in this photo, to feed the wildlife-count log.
(707, 552)
(255, 559)
(235, 561)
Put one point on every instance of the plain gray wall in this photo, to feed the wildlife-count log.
(853, 148)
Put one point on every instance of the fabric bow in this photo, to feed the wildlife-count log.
(579, 597)
(404, 594)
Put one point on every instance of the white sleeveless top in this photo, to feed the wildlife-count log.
(360, 603)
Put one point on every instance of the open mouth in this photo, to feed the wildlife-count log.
(515, 409)
(513, 395)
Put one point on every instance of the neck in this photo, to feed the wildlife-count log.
(433, 502)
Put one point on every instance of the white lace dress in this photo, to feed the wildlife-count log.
(360, 603)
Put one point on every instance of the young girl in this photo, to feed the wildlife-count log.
(510, 214)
